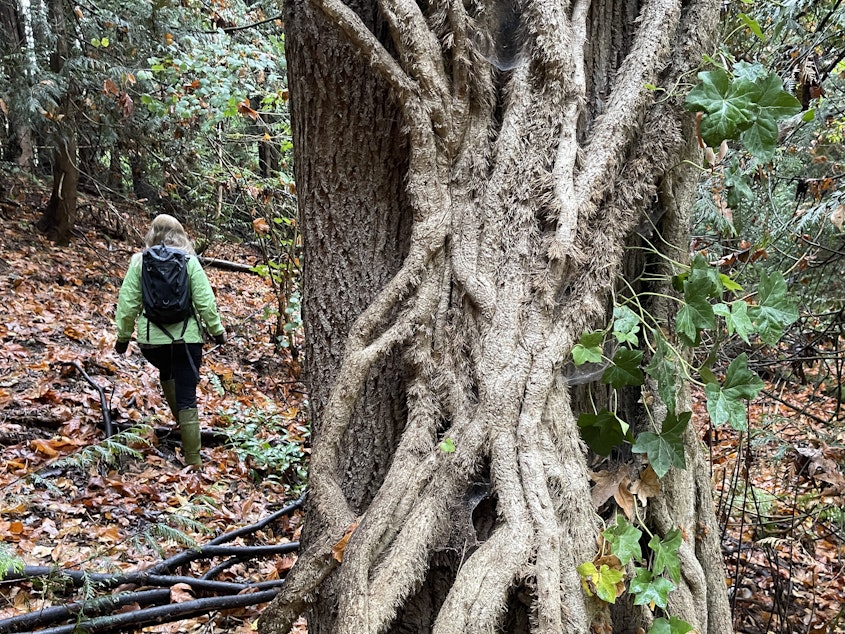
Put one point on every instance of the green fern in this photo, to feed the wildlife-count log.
(9, 562)
(107, 451)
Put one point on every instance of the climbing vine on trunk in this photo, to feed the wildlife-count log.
(534, 147)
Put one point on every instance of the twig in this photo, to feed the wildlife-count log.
(103, 404)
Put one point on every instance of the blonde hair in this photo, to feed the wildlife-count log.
(167, 230)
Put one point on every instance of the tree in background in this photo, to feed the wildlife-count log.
(181, 105)
(469, 174)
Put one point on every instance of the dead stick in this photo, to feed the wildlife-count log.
(103, 404)
(161, 614)
(93, 607)
(150, 576)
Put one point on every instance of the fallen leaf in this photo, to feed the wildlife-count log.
(181, 592)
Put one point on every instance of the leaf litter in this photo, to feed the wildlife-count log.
(55, 510)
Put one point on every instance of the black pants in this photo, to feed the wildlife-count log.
(174, 363)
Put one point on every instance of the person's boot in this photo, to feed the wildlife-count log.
(169, 389)
(189, 427)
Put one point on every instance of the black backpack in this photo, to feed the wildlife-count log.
(166, 288)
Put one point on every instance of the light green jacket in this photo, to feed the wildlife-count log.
(130, 308)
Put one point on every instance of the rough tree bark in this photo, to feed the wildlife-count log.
(469, 174)
(59, 216)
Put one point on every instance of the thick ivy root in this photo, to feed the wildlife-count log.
(521, 213)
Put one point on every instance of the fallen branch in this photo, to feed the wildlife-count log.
(157, 575)
(161, 614)
(225, 265)
(103, 404)
(150, 577)
(93, 607)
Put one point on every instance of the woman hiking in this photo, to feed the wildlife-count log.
(167, 271)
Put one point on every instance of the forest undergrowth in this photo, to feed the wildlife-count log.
(778, 488)
(65, 506)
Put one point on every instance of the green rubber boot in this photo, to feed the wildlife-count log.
(169, 389)
(189, 426)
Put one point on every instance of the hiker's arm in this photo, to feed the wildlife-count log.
(129, 301)
(203, 298)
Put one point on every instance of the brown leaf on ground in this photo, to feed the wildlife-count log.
(181, 592)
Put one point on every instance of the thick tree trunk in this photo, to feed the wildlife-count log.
(468, 176)
(60, 214)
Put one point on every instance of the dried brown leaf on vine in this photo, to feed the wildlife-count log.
(607, 483)
(648, 486)
(624, 498)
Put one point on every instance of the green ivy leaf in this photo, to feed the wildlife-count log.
(588, 349)
(696, 313)
(600, 581)
(666, 554)
(624, 540)
(701, 268)
(666, 448)
(626, 325)
(773, 313)
(729, 284)
(736, 318)
(447, 446)
(625, 369)
(663, 370)
(673, 626)
(725, 403)
(603, 431)
(649, 589)
(753, 25)
(727, 111)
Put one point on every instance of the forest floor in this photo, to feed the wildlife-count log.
(779, 488)
(63, 505)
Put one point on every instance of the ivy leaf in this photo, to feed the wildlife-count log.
(728, 283)
(736, 318)
(649, 589)
(666, 448)
(666, 554)
(588, 349)
(673, 626)
(663, 370)
(626, 325)
(624, 540)
(761, 138)
(753, 25)
(772, 104)
(701, 268)
(603, 431)
(727, 111)
(774, 313)
(696, 313)
(600, 581)
(625, 369)
(725, 402)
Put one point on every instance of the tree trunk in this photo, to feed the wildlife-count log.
(17, 144)
(468, 177)
(60, 214)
